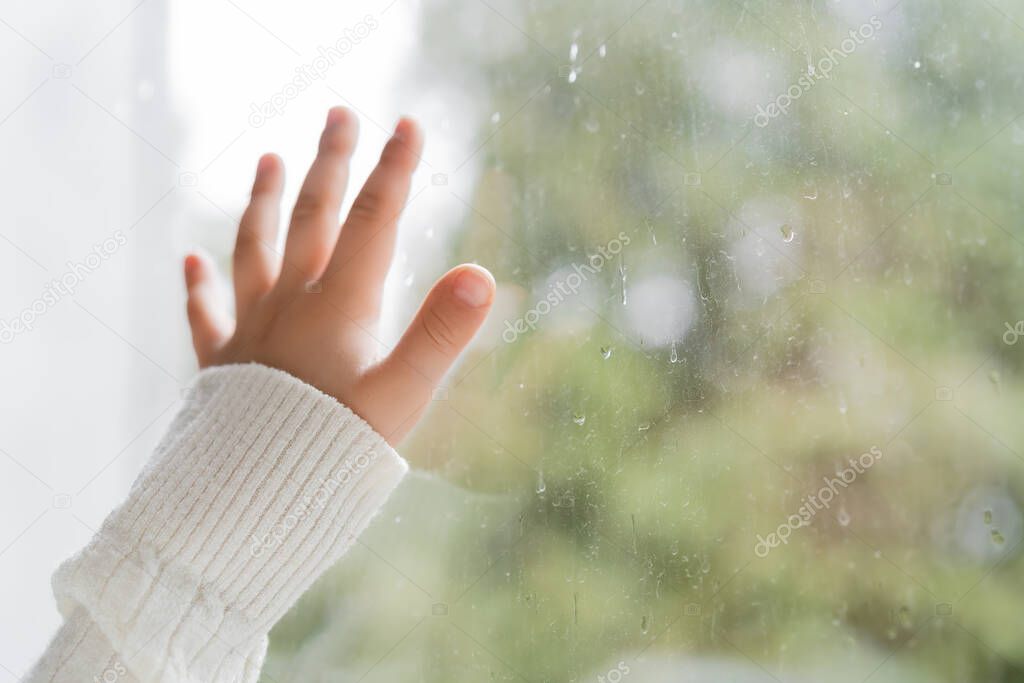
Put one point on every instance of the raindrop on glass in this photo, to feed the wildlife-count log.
(622, 281)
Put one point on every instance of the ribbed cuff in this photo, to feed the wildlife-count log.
(262, 483)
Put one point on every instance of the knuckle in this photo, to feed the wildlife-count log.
(398, 155)
(366, 208)
(310, 207)
(195, 309)
(441, 335)
(245, 241)
(263, 191)
(337, 142)
(334, 148)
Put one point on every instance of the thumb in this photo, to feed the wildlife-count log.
(451, 314)
(446, 322)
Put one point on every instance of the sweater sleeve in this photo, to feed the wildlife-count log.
(261, 483)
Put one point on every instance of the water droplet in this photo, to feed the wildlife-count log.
(579, 418)
(917, 65)
(496, 117)
(622, 280)
(572, 76)
(643, 427)
(606, 352)
(702, 290)
(592, 125)
(843, 517)
(788, 234)
(541, 486)
(997, 537)
(639, 88)
(673, 354)
(602, 51)
(988, 516)
(643, 624)
(574, 51)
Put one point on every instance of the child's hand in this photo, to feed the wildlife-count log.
(314, 314)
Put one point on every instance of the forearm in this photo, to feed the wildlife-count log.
(261, 483)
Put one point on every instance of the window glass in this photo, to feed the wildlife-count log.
(748, 406)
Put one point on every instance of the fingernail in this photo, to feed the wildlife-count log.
(402, 129)
(334, 115)
(473, 287)
(192, 263)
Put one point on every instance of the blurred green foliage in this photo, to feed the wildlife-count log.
(850, 266)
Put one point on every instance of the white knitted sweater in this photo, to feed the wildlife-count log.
(260, 484)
